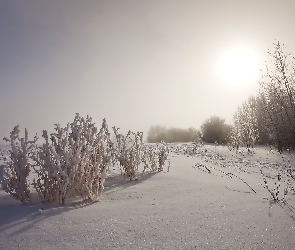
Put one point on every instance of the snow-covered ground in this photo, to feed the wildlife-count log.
(185, 208)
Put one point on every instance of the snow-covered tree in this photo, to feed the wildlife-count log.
(245, 129)
(277, 92)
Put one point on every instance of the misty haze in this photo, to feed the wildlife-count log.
(147, 124)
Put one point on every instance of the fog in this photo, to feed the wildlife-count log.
(135, 63)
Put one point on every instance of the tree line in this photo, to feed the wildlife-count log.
(265, 118)
(160, 133)
(269, 117)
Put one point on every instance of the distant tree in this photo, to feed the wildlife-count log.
(215, 129)
(158, 134)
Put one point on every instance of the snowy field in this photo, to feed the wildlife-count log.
(212, 198)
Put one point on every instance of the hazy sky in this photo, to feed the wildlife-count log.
(136, 63)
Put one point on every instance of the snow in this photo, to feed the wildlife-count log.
(185, 208)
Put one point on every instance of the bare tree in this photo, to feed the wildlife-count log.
(277, 95)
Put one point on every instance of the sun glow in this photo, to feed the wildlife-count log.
(239, 66)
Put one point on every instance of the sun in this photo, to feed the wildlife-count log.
(239, 66)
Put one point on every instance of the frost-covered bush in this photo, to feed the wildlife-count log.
(290, 187)
(18, 169)
(279, 192)
(155, 156)
(47, 184)
(163, 152)
(150, 158)
(129, 152)
(75, 161)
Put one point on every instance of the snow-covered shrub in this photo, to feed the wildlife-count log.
(279, 192)
(46, 185)
(75, 161)
(150, 158)
(275, 191)
(163, 152)
(207, 169)
(129, 152)
(18, 169)
(189, 149)
(155, 156)
(102, 158)
(290, 181)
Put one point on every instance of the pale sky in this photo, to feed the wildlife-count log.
(136, 63)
